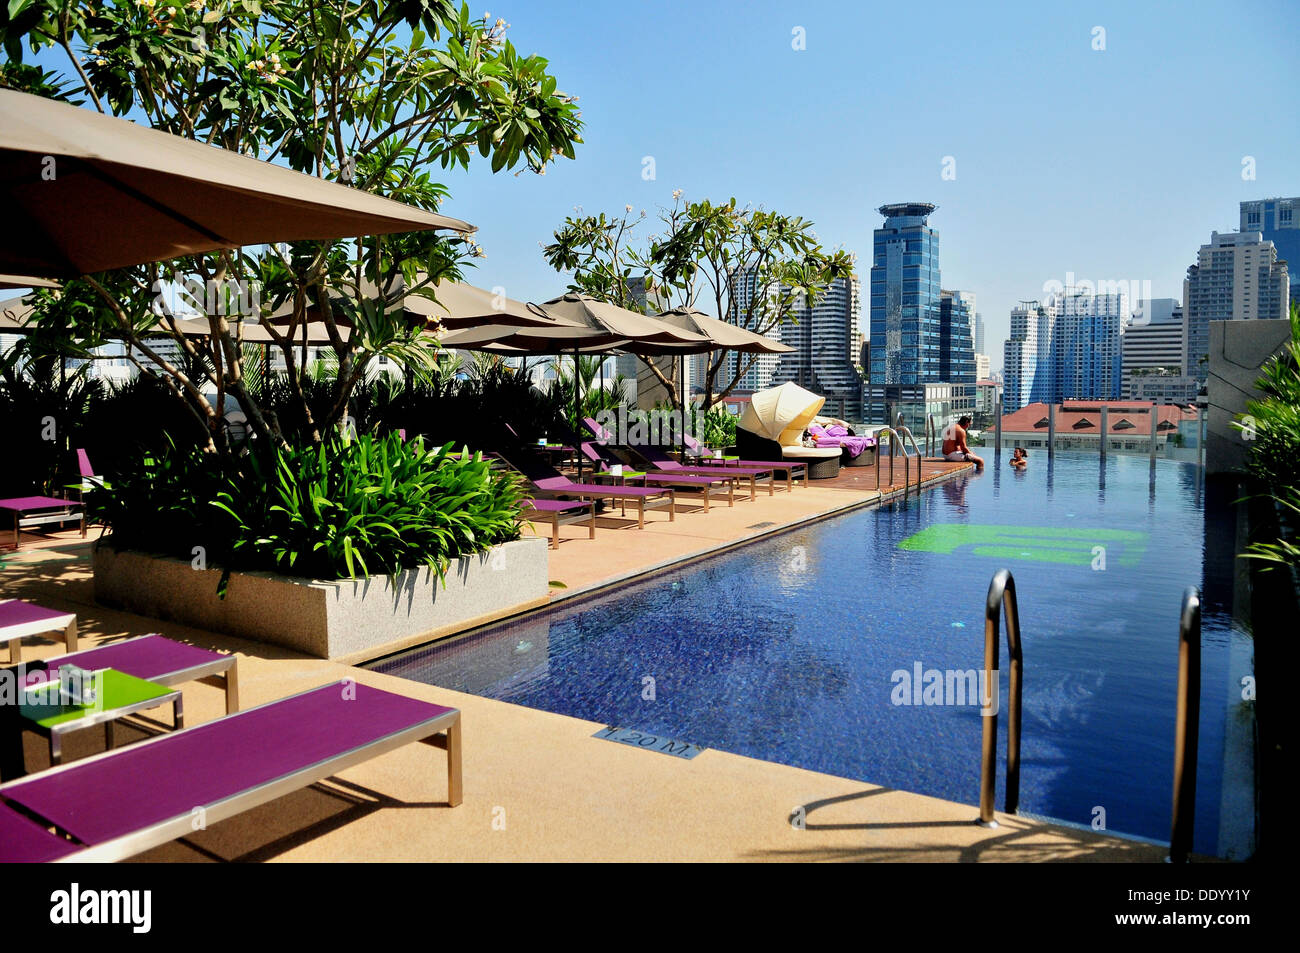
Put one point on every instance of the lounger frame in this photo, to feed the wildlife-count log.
(65, 622)
(221, 672)
(441, 731)
(558, 519)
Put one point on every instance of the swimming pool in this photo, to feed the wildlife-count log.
(790, 649)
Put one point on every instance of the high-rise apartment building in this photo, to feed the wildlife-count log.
(1237, 276)
(1153, 342)
(956, 337)
(1067, 347)
(824, 343)
(1086, 345)
(1027, 368)
(744, 288)
(1278, 221)
(979, 334)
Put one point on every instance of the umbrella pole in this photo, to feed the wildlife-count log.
(577, 407)
(681, 402)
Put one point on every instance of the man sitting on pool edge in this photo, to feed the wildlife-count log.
(954, 443)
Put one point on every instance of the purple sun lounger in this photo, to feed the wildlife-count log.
(668, 476)
(162, 661)
(120, 803)
(39, 510)
(551, 483)
(661, 462)
(658, 481)
(19, 619)
(791, 468)
(557, 512)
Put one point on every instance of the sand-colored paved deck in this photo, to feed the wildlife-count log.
(538, 786)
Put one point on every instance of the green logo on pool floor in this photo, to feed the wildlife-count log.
(1046, 544)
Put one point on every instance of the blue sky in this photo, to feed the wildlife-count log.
(1112, 164)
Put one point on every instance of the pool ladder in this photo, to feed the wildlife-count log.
(1002, 601)
(897, 435)
(1186, 726)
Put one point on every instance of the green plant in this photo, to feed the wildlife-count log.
(1272, 427)
(44, 407)
(343, 508)
(716, 428)
(594, 398)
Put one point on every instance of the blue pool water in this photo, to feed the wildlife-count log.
(787, 649)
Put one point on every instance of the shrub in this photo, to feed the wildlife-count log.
(717, 428)
(1273, 424)
(341, 509)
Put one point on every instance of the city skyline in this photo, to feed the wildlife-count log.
(1120, 207)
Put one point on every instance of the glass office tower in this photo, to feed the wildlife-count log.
(906, 320)
(1278, 221)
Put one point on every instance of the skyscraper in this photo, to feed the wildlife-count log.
(1237, 276)
(824, 344)
(1027, 369)
(905, 294)
(1153, 342)
(979, 334)
(907, 322)
(1278, 221)
(744, 287)
(956, 344)
(1067, 347)
(1087, 346)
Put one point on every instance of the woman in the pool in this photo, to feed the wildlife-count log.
(954, 443)
(1019, 458)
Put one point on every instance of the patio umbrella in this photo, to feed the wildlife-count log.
(782, 413)
(458, 306)
(26, 281)
(85, 192)
(643, 334)
(722, 336)
(588, 326)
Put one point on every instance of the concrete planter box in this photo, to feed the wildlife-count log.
(328, 618)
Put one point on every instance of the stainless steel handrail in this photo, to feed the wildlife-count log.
(1186, 727)
(1001, 599)
(906, 432)
(894, 440)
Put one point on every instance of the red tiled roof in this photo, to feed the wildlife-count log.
(1082, 416)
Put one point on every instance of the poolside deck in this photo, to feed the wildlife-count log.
(538, 786)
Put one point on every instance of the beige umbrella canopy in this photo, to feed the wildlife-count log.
(312, 333)
(641, 333)
(562, 339)
(460, 305)
(26, 281)
(722, 335)
(84, 192)
(782, 413)
(582, 323)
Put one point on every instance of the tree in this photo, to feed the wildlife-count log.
(374, 95)
(752, 267)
